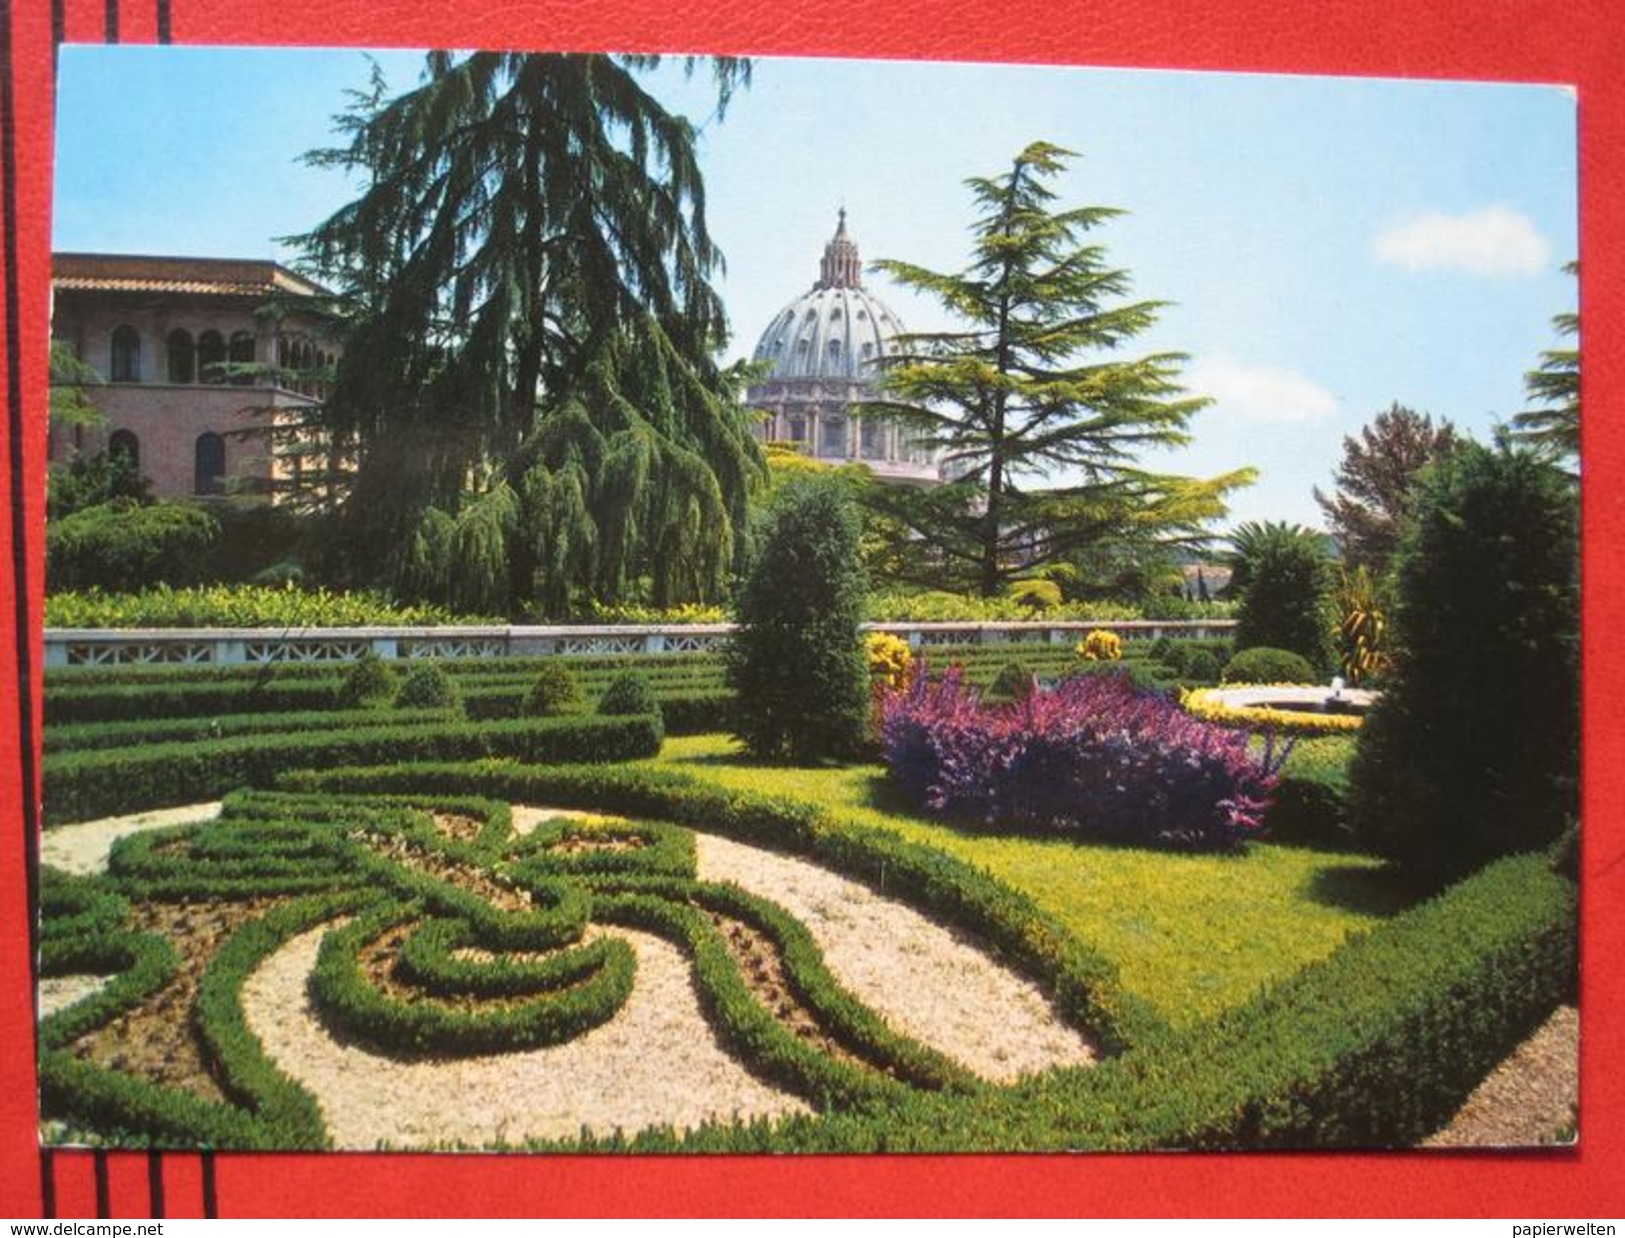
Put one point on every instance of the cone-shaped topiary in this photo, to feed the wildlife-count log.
(797, 659)
(630, 692)
(427, 687)
(555, 691)
(367, 682)
(1474, 749)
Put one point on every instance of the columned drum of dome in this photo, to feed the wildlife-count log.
(823, 349)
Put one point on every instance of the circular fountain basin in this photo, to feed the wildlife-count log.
(1308, 699)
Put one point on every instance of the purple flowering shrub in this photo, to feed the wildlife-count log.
(1093, 757)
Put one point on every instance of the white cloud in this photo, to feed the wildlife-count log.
(1494, 241)
(1259, 392)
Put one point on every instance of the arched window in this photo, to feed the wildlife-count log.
(126, 366)
(798, 430)
(834, 350)
(124, 443)
(209, 464)
(211, 354)
(868, 350)
(242, 353)
(182, 357)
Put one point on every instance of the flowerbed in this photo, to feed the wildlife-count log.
(1093, 757)
(1210, 705)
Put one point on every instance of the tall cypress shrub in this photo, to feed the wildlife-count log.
(1474, 749)
(796, 660)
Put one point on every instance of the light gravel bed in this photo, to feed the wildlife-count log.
(927, 982)
(657, 1062)
(84, 846)
(1533, 1097)
(59, 992)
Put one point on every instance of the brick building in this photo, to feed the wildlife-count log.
(165, 336)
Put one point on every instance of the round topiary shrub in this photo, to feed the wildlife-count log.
(1201, 666)
(631, 693)
(1013, 682)
(1473, 750)
(554, 692)
(427, 687)
(1262, 664)
(797, 661)
(367, 682)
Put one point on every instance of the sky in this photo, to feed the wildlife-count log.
(1326, 246)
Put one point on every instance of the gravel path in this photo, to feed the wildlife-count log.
(59, 992)
(1533, 1097)
(84, 846)
(928, 982)
(657, 1062)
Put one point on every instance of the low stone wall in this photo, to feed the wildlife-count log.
(228, 646)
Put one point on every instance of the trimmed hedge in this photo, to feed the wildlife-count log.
(83, 735)
(272, 1112)
(426, 1025)
(1084, 985)
(1375, 1046)
(429, 960)
(83, 785)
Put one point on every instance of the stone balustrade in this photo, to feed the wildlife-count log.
(237, 646)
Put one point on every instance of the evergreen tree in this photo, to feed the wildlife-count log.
(1375, 480)
(526, 285)
(1024, 393)
(1474, 749)
(797, 659)
(1556, 428)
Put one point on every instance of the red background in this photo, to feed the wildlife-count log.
(1581, 42)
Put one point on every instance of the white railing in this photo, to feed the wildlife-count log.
(229, 646)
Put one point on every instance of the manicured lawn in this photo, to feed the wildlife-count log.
(1191, 934)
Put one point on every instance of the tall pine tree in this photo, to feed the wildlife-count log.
(527, 281)
(1039, 424)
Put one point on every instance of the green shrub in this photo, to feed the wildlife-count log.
(797, 661)
(629, 693)
(367, 682)
(1014, 680)
(1261, 664)
(1035, 596)
(1286, 580)
(1310, 803)
(1201, 666)
(428, 687)
(554, 691)
(1473, 750)
(125, 545)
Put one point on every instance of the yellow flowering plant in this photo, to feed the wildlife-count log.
(1101, 646)
(889, 659)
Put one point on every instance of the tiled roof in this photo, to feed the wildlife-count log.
(191, 276)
